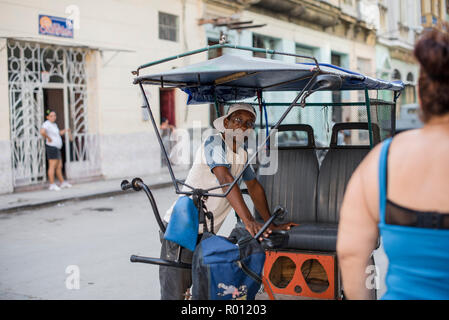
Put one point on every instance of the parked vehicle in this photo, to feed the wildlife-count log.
(408, 118)
(315, 157)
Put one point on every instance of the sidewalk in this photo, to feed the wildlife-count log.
(103, 188)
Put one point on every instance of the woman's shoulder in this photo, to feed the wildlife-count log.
(368, 170)
(371, 161)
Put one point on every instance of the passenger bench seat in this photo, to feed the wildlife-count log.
(337, 168)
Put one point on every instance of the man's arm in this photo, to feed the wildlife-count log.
(259, 198)
(257, 194)
(235, 198)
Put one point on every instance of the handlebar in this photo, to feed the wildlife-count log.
(125, 185)
(137, 184)
(279, 211)
(160, 262)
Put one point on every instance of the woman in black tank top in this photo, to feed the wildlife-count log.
(418, 189)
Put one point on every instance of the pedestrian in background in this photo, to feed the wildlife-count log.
(401, 189)
(53, 145)
(166, 131)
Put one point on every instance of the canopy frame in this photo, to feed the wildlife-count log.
(220, 46)
(301, 96)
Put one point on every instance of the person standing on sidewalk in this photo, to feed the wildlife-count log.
(53, 145)
(166, 131)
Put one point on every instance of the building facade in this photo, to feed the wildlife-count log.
(76, 57)
(332, 31)
(399, 25)
(82, 67)
(433, 12)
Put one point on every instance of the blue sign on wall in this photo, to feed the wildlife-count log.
(55, 26)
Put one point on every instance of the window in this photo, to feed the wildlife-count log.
(264, 42)
(304, 51)
(214, 53)
(168, 27)
(396, 75)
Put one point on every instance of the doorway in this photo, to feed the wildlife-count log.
(54, 100)
(167, 105)
(38, 71)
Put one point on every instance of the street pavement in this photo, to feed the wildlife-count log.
(96, 236)
(43, 250)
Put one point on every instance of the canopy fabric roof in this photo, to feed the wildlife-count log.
(231, 77)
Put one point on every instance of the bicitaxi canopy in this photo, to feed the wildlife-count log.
(232, 78)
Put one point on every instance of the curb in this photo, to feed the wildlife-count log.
(104, 194)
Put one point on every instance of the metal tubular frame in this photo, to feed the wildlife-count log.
(368, 112)
(219, 46)
(316, 71)
(205, 193)
(200, 195)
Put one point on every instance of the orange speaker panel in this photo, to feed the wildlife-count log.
(285, 272)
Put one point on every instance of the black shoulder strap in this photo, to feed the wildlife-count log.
(249, 272)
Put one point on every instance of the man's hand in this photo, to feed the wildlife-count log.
(253, 227)
(49, 139)
(259, 198)
(285, 226)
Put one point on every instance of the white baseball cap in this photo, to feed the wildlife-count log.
(219, 122)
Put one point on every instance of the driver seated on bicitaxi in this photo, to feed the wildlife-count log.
(221, 158)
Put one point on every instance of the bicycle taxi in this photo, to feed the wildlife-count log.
(317, 145)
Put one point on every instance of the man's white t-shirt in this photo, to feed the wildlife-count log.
(52, 130)
(212, 153)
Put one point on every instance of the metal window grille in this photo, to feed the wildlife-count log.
(31, 67)
(168, 27)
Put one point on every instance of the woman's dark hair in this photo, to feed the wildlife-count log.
(432, 52)
(48, 111)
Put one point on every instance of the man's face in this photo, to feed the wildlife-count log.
(240, 119)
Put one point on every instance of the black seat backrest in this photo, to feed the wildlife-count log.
(353, 126)
(293, 186)
(337, 168)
